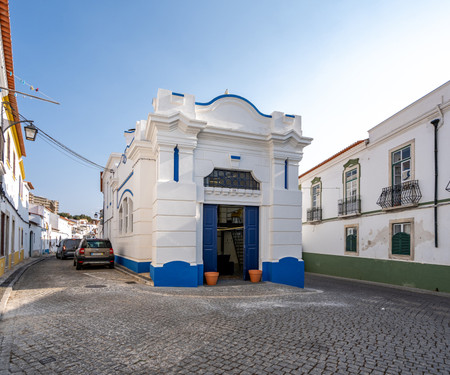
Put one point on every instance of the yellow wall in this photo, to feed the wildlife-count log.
(16, 257)
(22, 253)
(2, 266)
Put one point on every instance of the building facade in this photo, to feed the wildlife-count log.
(14, 224)
(379, 210)
(207, 187)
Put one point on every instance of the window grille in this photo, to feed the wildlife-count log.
(231, 179)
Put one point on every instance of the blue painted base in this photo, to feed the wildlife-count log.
(138, 267)
(177, 274)
(288, 271)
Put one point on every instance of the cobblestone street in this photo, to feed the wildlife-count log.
(100, 321)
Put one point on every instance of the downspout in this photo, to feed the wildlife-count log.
(435, 123)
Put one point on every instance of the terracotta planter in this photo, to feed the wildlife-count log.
(211, 278)
(255, 275)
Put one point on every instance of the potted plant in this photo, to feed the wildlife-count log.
(255, 275)
(211, 278)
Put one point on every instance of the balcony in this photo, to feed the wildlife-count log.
(349, 206)
(406, 194)
(314, 214)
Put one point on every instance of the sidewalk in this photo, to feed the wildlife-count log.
(8, 279)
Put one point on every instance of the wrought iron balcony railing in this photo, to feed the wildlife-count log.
(314, 214)
(405, 194)
(349, 206)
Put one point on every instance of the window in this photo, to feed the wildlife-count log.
(120, 219)
(130, 212)
(125, 215)
(401, 165)
(315, 212)
(401, 238)
(351, 202)
(351, 239)
(315, 196)
(351, 183)
(231, 179)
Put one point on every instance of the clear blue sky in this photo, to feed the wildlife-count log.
(344, 66)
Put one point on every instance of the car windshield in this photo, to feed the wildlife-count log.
(96, 244)
(71, 244)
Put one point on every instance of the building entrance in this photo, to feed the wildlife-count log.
(230, 239)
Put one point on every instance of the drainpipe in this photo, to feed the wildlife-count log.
(435, 123)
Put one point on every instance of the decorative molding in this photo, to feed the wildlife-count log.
(316, 180)
(351, 163)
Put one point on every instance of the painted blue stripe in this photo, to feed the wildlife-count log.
(130, 131)
(138, 267)
(293, 116)
(286, 174)
(235, 157)
(288, 271)
(176, 164)
(233, 96)
(126, 180)
(120, 200)
(177, 94)
(128, 146)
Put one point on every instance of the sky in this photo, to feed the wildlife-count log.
(343, 65)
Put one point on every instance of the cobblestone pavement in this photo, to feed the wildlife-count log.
(100, 321)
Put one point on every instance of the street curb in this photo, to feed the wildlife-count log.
(386, 285)
(125, 270)
(10, 286)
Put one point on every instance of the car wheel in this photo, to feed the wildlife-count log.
(78, 266)
(63, 257)
(56, 255)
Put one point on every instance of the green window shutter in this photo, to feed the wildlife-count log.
(350, 243)
(401, 244)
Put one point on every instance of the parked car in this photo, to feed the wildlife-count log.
(67, 247)
(94, 251)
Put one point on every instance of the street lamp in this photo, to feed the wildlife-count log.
(30, 132)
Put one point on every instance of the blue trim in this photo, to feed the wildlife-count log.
(120, 200)
(130, 131)
(234, 157)
(138, 267)
(288, 271)
(177, 94)
(126, 180)
(233, 96)
(286, 174)
(177, 274)
(292, 116)
(176, 164)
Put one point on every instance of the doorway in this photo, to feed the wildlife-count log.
(230, 239)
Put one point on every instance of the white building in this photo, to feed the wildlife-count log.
(204, 187)
(14, 224)
(380, 209)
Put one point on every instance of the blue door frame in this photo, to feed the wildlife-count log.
(210, 238)
(251, 238)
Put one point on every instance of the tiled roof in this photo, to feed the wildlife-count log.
(7, 51)
(333, 157)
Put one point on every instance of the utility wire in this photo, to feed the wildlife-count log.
(63, 148)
